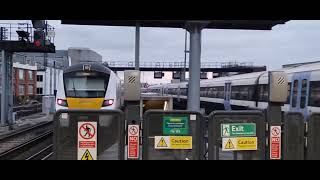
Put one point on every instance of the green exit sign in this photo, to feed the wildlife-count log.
(238, 130)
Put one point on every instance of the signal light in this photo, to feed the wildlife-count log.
(62, 102)
(108, 102)
(38, 38)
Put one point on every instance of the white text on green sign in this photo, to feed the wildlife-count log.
(238, 129)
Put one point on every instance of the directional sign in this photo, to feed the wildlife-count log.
(175, 125)
(87, 141)
(238, 130)
(133, 142)
(275, 142)
(173, 142)
(240, 144)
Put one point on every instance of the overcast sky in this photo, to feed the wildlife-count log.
(295, 41)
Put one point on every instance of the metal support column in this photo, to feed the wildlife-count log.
(54, 78)
(194, 67)
(183, 75)
(137, 47)
(6, 89)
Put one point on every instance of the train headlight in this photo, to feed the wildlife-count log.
(62, 102)
(108, 102)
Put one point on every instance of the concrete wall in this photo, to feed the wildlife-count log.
(82, 55)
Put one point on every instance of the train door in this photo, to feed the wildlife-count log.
(227, 96)
(300, 92)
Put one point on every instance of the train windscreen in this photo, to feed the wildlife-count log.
(86, 85)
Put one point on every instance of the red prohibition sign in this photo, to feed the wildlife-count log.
(275, 131)
(89, 131)
(133, 130)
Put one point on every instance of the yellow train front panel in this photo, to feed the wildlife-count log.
(85, 103)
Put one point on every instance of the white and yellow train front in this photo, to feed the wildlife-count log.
(88, 86)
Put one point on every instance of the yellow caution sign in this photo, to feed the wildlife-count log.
(240, 144)
(87, 155)
(229, 145)
(181, 142)
(247, 143)
(162, 143)
(173, 142)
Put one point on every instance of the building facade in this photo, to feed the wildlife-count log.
(24, 83)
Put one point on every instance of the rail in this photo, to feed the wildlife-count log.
(19, 150)
(10, 143)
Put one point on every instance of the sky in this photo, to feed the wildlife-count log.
(296, 41)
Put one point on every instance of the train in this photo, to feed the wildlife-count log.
(88, 86)
(250, 91)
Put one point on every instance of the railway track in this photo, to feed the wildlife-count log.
(33, 143)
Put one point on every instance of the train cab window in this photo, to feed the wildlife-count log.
(303, 93)
(86, 86)
(314, 94)
(295, 93)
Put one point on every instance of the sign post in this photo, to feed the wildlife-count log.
(275, 142)
(133, 142)
(175, 125)
(87, 140)
(238, 130)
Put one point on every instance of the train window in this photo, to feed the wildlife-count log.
(314, 94)
(202, 91)
(303, 94)
(289, 93)
(221, 92)
(244, 90)
(235, 92)
(295, 93)
(86, 86)
(251, 93)
(263, 93)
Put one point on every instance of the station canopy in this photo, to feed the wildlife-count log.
(209, 24)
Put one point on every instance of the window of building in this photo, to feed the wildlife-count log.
(30, 89)
(21, 74)
(39, 91)
(39, 78)
(30, 73)
(21, 90)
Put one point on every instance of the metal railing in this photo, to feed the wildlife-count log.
(178, 64)
(9, 31)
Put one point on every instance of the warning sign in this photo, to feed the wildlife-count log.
(181, 142)
(87, 155)
(173, 142)
(239, 144)
(87, 140)
(87, 130)
(229, 145)
(275, 142)
(162, 143)
(133, 142)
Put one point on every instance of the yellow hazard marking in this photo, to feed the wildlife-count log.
(229, 145)
(181, 142)
(247, 143)
(87, 155)
(162, 143)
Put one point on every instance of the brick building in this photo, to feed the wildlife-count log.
(24, 82)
